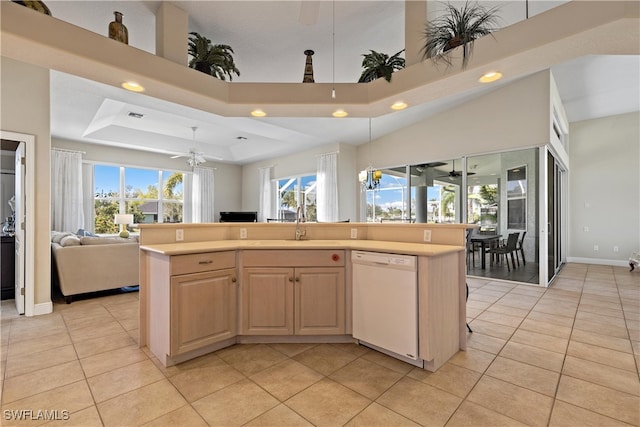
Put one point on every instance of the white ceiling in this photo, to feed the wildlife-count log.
(269, 38)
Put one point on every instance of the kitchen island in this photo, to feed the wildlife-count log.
(248, 283)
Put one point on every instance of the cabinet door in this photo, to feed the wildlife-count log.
(267, 301)
(320, 301)
(203, 309)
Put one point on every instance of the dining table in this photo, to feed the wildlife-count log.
(486, 241)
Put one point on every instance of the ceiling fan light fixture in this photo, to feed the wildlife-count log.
(339, 113)
(133, 86)
(258, 113)
(399, 105)
(490, 76)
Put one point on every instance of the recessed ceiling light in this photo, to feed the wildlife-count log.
(340, 113)
(491, 76)
(258, 113)
(133, 86)
(398, 105)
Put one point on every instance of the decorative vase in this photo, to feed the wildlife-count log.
(308, 67)
(117, 30)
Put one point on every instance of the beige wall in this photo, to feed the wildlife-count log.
(25, 109)
(227, 178)
(604, 188)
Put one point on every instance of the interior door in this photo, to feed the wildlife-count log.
(19, 226)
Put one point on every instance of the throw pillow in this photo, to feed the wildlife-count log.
(70, 240)
(56, 236)
(82, 232)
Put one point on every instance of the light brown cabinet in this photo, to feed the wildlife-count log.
(303, 293)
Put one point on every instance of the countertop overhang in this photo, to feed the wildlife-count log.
(420, 249)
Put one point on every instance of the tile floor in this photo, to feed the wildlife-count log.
(564, 356)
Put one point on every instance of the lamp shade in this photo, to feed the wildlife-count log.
(123, 219)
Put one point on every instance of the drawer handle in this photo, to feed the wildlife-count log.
(205, 262)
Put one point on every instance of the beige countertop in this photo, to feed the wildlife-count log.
(424, 249)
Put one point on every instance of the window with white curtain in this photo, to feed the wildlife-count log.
(151, 195)
(293, 192)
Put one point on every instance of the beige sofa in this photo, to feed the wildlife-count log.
(90, 264)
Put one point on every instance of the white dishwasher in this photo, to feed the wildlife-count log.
(385, 304)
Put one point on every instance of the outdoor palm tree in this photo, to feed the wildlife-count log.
(213, 59)
(378, 65)
(458, 27)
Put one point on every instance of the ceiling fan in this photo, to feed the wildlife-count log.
(195, 158)
(454, 173)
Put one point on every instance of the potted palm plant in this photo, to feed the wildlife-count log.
(458, 27)
(378, 65)
(213, 59)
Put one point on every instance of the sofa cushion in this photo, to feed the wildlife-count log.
(70, 240)
(86, 240)
(56, 236)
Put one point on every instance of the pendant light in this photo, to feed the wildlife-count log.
(370, 177)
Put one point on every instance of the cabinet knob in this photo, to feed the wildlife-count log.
(297, 279)
(290, 279)
(234, 280)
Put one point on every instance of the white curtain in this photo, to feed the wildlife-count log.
(66, 191)
(327, 187)
(198, 196)
(266, 194)
(88, 197)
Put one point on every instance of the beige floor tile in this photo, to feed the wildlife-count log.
(291, 349)
(251, 358)
(98, 345)
(606, 376)
(470, 414)
(524, 375)
(513, 401)
(39, 344)
(325, 358)
(183, 417)
(527, 290)
(535, 339)
(122, 380)
(601, 318)
(235, 405)
(501, 318)
(279, 416)
(533, 356)
(286, 378)
(449, 377)
(89, 321)
(566, 309)
(496, 330)
(598, 309)
(388, 362)
(376, 415)
(511, 311)
(68, 399)
(473, 359)
(327, 403)
(110, 360)
(141, 405)
(207, 360)
(25, 363)
(25, 385)
(519, 301)
(88, 417)
(478, 305)
(613, 343)
(479, 296)
(485, 342)
(565, 414)
(90, 332)
(367, 378)
(199, 382)
(546, 328)
(555, 319)
(606, 401)
(473, 313)
(354, 348)
(420, 402)
(601, 328)
(617, 359)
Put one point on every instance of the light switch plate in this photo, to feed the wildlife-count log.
(179, 235)
(354, 233)
(243, 233)
(427, 235)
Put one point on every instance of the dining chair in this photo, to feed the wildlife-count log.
(507, 250)
(519, 248)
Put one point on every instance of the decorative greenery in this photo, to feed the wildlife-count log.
(213, 59)
(458, 27)
(378, 65)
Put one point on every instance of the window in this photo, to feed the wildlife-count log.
(152, 196)
(294, 192)
(517, 198)
(387, 203)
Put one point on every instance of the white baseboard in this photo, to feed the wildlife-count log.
(599, 261)
(43, 308)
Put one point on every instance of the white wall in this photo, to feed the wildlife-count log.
(604, 189)
(228, 178)
(25, 109)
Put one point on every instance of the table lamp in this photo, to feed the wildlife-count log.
(123, 220)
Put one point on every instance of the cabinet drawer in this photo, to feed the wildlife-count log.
(294, 258)
(196, 263)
